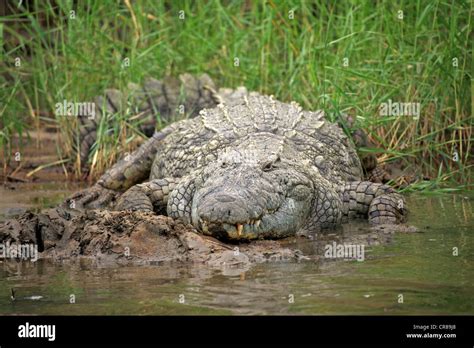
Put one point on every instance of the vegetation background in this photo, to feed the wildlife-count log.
(341, 56)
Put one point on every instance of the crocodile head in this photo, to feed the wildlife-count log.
(257, 188)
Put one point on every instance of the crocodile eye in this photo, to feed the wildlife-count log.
(270, 165)
(267, 167)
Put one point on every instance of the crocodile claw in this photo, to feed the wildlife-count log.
(95, 197)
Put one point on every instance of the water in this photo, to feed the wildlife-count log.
(415, 273)
(16, 199)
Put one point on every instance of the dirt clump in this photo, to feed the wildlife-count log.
(126, 237)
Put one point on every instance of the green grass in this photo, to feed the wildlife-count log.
(301, 59)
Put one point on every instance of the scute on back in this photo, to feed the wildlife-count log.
(196, 141)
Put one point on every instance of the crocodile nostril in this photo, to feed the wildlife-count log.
(225, 198)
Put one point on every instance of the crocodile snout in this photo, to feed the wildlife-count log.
(227, 208)
(235, 211)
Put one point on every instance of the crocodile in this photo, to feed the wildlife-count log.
(173, 99)
(247, 167)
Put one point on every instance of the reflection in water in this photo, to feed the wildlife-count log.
(420, 266)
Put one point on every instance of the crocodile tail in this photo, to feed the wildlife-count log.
(153, 104)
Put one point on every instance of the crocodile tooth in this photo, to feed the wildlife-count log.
(257, 223)
(240, 228)
(204, 227)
